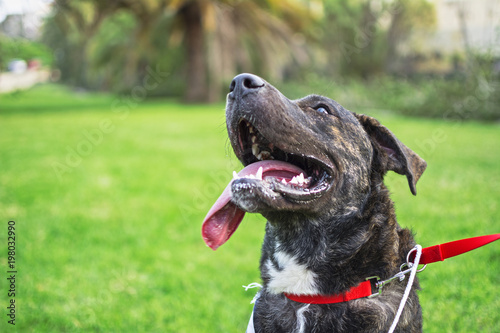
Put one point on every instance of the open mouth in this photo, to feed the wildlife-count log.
(313, 177)
(269, 173)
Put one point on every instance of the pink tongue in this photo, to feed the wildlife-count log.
(224, 217)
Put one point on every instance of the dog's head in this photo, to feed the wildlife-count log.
(308, 156)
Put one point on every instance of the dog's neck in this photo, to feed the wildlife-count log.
(304, 256)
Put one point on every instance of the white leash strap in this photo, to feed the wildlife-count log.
(414, 269)
(250, 328)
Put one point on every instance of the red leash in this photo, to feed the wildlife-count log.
(429, 255)
(447, 250)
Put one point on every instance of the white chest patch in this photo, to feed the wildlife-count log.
(293, 278)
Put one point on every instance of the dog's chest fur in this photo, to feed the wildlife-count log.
(305, 256)
(309, 260)
(287, 275)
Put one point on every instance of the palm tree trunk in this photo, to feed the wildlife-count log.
(197, 88)
(465, 36)
(394, 37)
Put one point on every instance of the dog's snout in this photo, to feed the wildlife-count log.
(245, 83)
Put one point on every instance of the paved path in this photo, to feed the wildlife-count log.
(12, 81)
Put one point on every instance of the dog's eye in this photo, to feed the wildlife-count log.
(322, 109)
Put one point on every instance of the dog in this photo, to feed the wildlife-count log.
(315, 171)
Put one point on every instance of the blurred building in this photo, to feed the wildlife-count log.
(463, 24)
(27, 24)
(462, 28)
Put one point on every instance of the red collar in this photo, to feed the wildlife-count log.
(429, 255)
(364, 289)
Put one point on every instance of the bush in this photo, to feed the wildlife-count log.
(23, 49)
(464, 97)
(472, 96)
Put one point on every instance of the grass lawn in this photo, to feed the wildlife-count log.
(108, 195)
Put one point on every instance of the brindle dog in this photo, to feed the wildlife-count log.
(315, 171)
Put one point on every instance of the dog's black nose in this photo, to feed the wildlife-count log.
(245, 83)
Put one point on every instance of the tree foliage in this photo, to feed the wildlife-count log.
(110, 44)
(23, 49)
(364, 37)
(202, 44)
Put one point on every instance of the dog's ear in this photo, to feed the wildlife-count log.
(394, 155)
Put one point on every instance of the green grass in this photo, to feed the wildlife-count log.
(108, 232)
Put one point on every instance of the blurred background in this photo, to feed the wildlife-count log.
(113, 147)
(386, 51)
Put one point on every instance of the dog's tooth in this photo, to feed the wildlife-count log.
(235, 175)
(251, 129)
(283, 181)
(294, 181)
(253, 138)
(258, 175)
(265, 155)
(255, 149)
(300, 178)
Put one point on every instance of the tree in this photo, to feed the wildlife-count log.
(365, 35)
(406, 15)
(69, 31)
(219, 39)
(222, 38)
